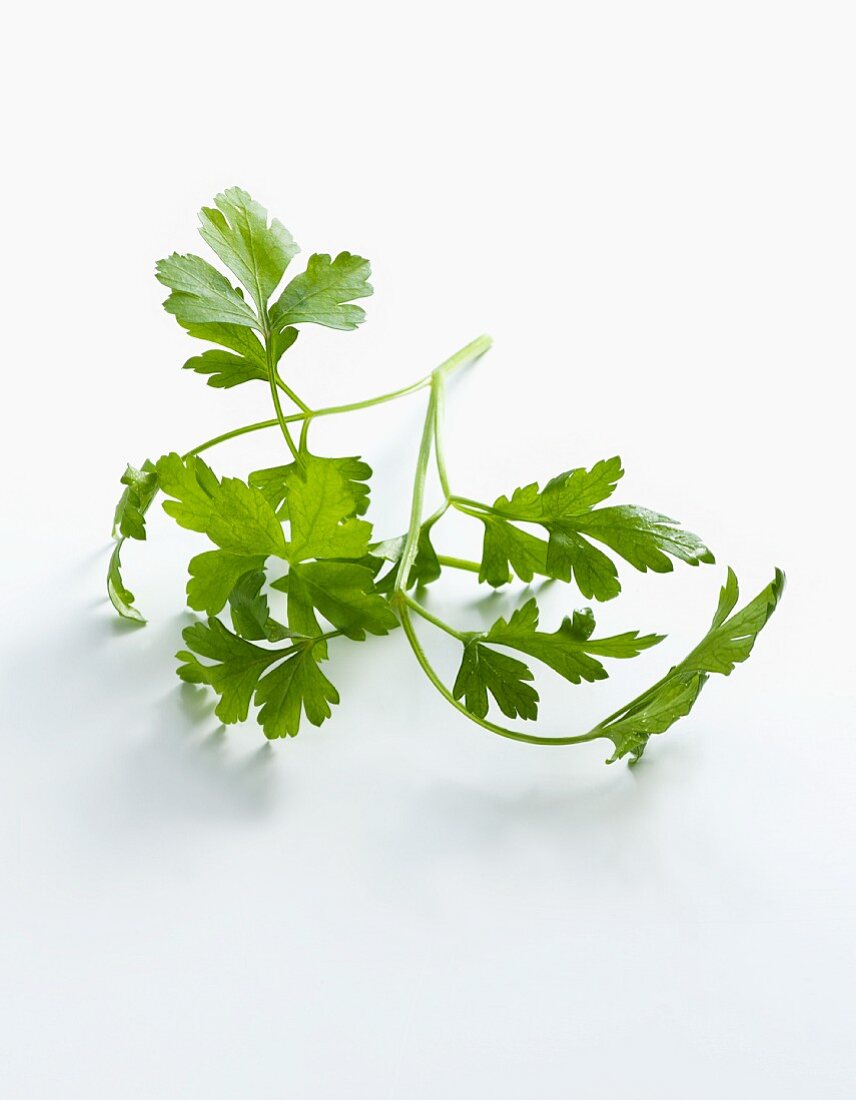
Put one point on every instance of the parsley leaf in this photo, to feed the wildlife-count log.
(321, 294)
(565, 508)
(193, 484)
(245, 360)
(298, 684)
(243, 522)
(484, 670)
(426, 566)
(142, 486)
(348, 474)
(243, 673)
(323, 501)
(343, 592)
(728, 642)
(507, 547)
(234, 515)
(121, 597)
(200, 294)
(251, 617)
(213, 576)
(256, 252)
(309, 514)
(236, 671)
(129, 521)
(571, 651)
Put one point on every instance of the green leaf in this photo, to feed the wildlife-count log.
(644, 538)
(343, 592)
(243, 522)
(236, 671)
(507, 547)
(348, 474)
(243, 341)
(120, 596)
(226, 370)
(426, 566)
(483, 670)
(141, 488)
(728, 642)
(570, 650)
(200, 294)
(569, 555)
(234, 516)
(320, 295)
(672, 700)
(245, 359)
(731, 637)
(297, 685)
(322, 504)
(256, 252)
(251, 617)
(213, 576)
(193, 484)
(565, 508)
(571, 492)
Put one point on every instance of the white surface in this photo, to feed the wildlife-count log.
(651, 209)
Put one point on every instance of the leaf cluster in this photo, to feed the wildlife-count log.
(292, 567)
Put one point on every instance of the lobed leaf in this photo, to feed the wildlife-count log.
(729, 641)
(256, 251)
(200, 294)
(322, 294)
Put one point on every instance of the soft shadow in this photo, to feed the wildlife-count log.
(587, 802)
(186, 768)
(132, 761)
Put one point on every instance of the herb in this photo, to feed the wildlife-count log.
(295, 566)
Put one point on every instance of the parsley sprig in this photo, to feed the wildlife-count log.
(294, 568)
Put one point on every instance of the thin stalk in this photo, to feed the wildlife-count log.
(481, 345)
(291, 395)
(435, 516)
(438, 390)
(405, 603)
(229, 435)
(273, 379)
(464, 504)
(411, 542)
(433, 619)
(467, 354)
(459, 563)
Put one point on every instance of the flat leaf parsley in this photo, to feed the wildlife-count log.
(293, 566)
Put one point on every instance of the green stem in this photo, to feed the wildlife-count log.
(459, 563)
(332, 410)
(467, 354)
(408, 554)
(291, 395)
(229, 435)
(464, 504)
(438, 391)
(433, 619)
(273, 379)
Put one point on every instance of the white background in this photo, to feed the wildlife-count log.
(651, 208)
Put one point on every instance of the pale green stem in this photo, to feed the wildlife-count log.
(433, 619)
(459, 563)
(274, 387)
(437, 388)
